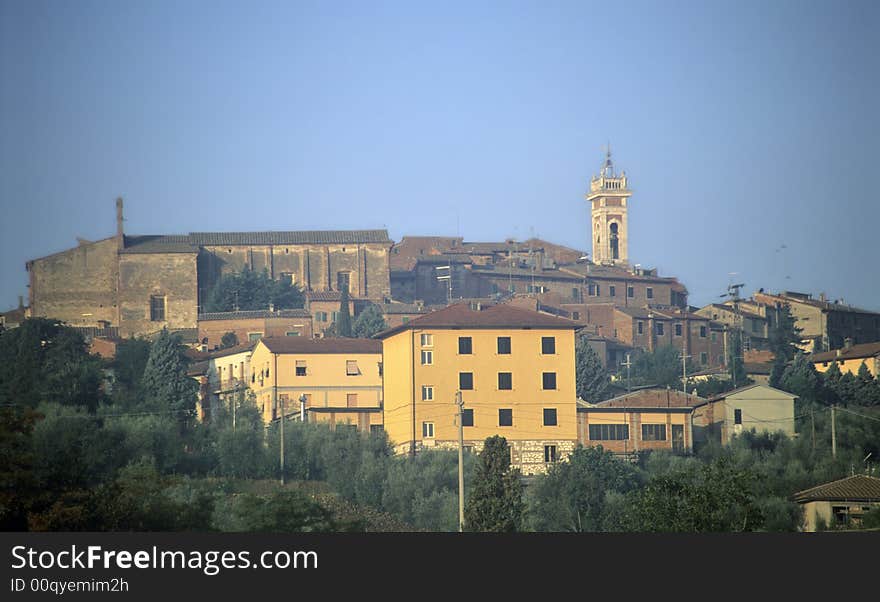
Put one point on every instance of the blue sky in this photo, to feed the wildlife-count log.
(743, 126)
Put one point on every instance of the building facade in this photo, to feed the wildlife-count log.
(142, 284)
(513, 367)
(333, 380)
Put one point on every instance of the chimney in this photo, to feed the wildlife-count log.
(272, 308)
(822, 297)
(847, 343)
(120, 237)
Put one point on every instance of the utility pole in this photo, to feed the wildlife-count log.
(684, 372)
(460, 403)
(281, 403)
(627, 364)
(833, 431)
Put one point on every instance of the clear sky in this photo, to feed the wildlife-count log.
(749, 130)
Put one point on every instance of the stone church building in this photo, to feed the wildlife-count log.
(142, 284)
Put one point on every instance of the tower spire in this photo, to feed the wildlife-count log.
(608, 167)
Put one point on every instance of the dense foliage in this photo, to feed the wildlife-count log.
(496, 501)
(592, 379)
(250, 290)
(369, 322)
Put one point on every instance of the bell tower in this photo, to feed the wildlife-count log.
(608, 196)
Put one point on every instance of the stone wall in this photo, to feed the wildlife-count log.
(77, 286)
(311, 267)
(526, 455)
(143, 275)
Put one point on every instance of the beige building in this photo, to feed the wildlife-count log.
(838, 504)
(753, 407)
(608, 197)
(332, 380)
(850, 358)
(648, 419)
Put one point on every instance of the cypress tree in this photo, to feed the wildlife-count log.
(343, 322)
(495, 503)
(165, 383)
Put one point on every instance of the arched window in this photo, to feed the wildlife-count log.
(615, 247)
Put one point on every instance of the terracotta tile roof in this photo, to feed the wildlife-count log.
(652, 398)
(327, 345)
(758, 367)
(855, 488)
(249, 346)
(502, 316)
(324, 296)
(257, 313)
(863, 350)
(501, 270)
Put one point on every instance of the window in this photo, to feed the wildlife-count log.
(505, 417)
(427, 340)
(549, 380)
(549, 416)
(575, 294)
(427, 358)
(704, 358)
(351, 368)
(609, 432)
(593, 290)
(291, 333)
(550, 453)
(467, 418)
(465, 346)
(254, 336)
(703, 332)
(427, 393)
(612, 291)
(548, 345)
(714, 337)
(630, 292)
(737, 416)
(653, 432)
(466, 381)
(334, 316)
(678, 330)
(659, 328)
(376, 429)
(649, 292)
(503, 345)
(300, 367)
(351, 400)
(575, 315)
(505, 381)
(343, 280)
(640, 327)
(428, 429)
(157, 308)
(321, 316)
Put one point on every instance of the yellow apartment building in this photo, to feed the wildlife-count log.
(850, 358)
(515, 369)
(334, 380)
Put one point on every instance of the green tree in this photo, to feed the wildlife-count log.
(229, 339)
(343, 320)
(783, 340)
(572, 495)
(43, 360)
(128, 368)
(251, 290)
(282, 512)
(17, 483)
(495, 502)
(800, 378)
(592, 379)
(660, 368)
(369, 322)
(715, 498)
(165, 383)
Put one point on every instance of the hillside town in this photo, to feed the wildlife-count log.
(453, 336)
